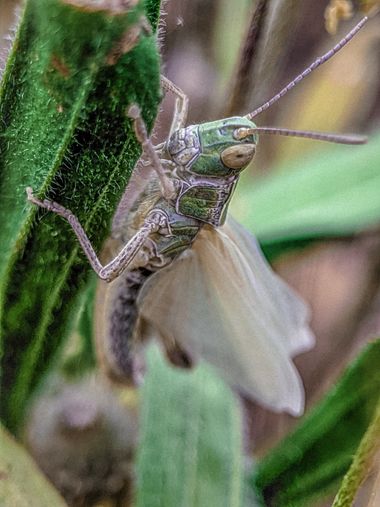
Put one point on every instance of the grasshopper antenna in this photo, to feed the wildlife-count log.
(307, 134)
(319, 61)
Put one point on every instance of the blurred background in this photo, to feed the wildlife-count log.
(339, 276)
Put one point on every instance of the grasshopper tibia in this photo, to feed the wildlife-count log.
(154, 222)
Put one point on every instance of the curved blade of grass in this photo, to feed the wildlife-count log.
(333, 194)
(22, 484)
(64, 132)
(361, 463)
(313, 459)
(190, 451)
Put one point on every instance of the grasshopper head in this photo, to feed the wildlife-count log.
(228, 143)
(217, 149)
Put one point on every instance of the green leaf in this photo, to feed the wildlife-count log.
(63, 131)
(82, 359)
(313, 459)
(361, 463)
(190, 451)
(332, 194)
(21, 482)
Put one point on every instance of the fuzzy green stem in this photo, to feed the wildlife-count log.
(71, 76)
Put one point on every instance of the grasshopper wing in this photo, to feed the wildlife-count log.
(288, 311)
(221, 302)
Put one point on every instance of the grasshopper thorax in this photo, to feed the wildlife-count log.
(209, 159)
(214, 149)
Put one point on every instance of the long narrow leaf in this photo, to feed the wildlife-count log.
(63, 131)
(361, 464)
(332, 194)
(313, 459)
(190, 451)
(21, 482)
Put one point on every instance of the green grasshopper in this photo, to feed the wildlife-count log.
(183, 273)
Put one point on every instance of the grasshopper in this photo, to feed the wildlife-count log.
(183, 272)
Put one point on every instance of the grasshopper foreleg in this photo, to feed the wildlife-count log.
(155, 221)
(181, 104)
(167, 185)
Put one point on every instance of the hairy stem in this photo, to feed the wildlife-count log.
(75, 67)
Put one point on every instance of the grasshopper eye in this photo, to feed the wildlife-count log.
(236, 157)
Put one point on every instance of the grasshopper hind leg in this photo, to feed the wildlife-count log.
(115, 319)
(121, 334)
